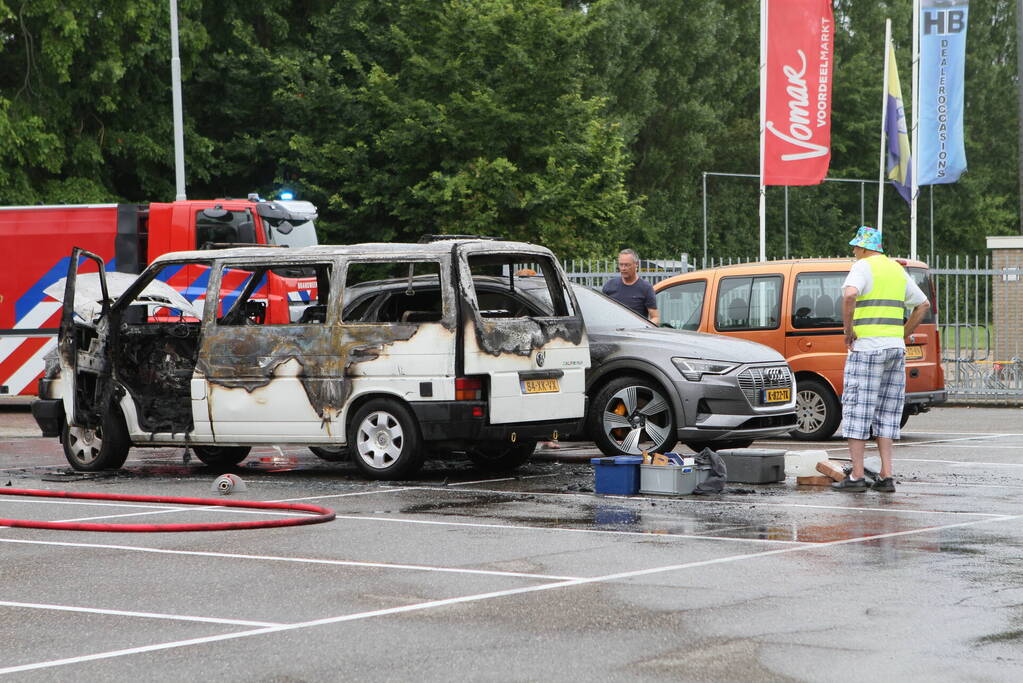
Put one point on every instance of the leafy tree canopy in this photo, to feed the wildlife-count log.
(585, 126)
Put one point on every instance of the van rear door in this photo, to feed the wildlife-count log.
(923, 352)
(533, 361)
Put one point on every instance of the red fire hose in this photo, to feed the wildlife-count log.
(320, 514)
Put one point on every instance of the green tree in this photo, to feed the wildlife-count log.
(460, 116)
(85, 100)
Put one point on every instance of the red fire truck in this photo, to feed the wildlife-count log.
(39, 240)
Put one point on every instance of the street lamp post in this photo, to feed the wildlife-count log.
(179, 135)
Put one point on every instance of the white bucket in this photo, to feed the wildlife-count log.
(803, 463)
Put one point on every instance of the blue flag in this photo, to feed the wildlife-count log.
(940, 147)
(898, 166)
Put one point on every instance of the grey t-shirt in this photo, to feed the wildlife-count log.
(639, 296)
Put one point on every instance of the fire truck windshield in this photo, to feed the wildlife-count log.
(301, 235)
(299, 231)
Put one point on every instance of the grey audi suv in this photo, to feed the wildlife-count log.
(648, 387)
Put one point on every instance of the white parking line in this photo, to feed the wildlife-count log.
(478, 597)
(146, 615)
(297, 560)
(163, 509)
(524, 527)
(903, 444)
(702, 501)
(487, 481)
(962, 462)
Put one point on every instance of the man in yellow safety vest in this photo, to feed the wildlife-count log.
(875, 295)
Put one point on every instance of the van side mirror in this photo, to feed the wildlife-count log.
(216, 213)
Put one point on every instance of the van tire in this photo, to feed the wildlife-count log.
(818, 411)
(331, 453)
(221, 457)
(500, 456)
(105, 448)
(609, 397)
(384, 440)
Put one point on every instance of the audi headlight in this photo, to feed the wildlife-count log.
(694, 368)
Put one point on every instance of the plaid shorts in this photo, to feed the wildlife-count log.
(874, 393)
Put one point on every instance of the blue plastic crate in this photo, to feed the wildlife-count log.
(617, 475)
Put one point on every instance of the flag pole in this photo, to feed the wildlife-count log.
(914, 187)
(763, 113)
(884, 118)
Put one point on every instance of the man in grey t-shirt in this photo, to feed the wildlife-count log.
(631, 291)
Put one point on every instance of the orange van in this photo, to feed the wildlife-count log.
(795, 307)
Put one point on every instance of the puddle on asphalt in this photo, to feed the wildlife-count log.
(665, 518)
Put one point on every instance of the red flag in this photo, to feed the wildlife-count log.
(797, 112)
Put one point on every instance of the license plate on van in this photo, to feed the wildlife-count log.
(777, 395)
(914, 352)
(540, 386)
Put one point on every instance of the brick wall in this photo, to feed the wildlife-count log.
(1007, 297)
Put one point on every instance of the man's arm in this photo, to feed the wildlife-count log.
(915, 317)
(651, 304)
(849, 295)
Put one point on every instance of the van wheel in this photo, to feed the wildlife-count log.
(500, 456)
(818, 412)
(904, 420)
(92, 450)
(220, 457)
(331, 453)
(385, 440)
(630, 415)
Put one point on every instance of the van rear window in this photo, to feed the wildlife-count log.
(922, 278)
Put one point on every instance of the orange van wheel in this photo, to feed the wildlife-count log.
(818, 412)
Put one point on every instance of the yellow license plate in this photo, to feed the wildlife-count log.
(777, 395)
(540, 386)
(914, 352)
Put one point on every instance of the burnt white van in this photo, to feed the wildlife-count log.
(425, 370)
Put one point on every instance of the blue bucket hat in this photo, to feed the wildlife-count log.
(868, 238)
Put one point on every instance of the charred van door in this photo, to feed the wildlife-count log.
(534, 365)
(84, 347)
(401, 342)
(269, 379)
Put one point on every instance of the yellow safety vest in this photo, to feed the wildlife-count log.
(880, 312)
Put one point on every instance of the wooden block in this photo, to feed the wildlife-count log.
(813, 481)
(831, 469)
(660, 459)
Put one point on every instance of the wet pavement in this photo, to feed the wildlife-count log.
(461, 574)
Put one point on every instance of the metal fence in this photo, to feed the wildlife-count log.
(979, 307)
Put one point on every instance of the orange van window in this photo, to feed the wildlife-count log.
(749, 303)
(817, 300)
(681, 305)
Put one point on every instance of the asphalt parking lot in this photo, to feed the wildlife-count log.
(467, 576)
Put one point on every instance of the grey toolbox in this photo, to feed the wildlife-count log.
(754, 465)
(671, 480)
